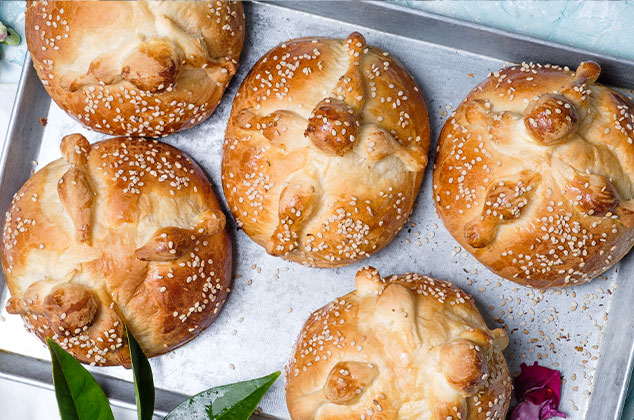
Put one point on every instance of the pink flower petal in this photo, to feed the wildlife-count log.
(538, 392)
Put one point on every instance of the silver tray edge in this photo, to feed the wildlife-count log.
(610, 389)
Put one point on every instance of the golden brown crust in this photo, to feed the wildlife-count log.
(168, 74)
(158, 258)
(325, 150)
(401, 347)
(534, 174)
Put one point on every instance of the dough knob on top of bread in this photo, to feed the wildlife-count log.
(534, 174)
(152, 66)
(553, 117)
(400, 347)
(550, 119)
(123, 232)
(325, 150)
(70, 307)
(333, 127)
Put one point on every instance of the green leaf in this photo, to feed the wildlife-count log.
(65, 402)
(143, 380)
(13, 39)
(228, 402)
(8, 36)
(79, 396)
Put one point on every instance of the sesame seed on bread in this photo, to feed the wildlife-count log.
(534, 174)
(121, 232)
(325, 150)
(396, 348)
(136, 68)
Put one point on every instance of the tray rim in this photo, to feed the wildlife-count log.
(611, 66)
(596, 403)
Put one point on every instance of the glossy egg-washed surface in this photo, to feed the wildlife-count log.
(136, 67)
(325, 150)
(403, 347)
(121, 232)
(534, 174)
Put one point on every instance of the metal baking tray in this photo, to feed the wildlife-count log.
(585, 331)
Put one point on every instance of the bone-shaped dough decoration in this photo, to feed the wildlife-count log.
(398, 348)
(324, 150)
(575, 137)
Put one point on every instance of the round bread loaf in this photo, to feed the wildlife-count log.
(121, 232)
(534, 174)
(403, 347)
(136, 68)
(325, 150)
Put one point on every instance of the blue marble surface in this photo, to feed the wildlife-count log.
(12, 15)
(602, 26)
